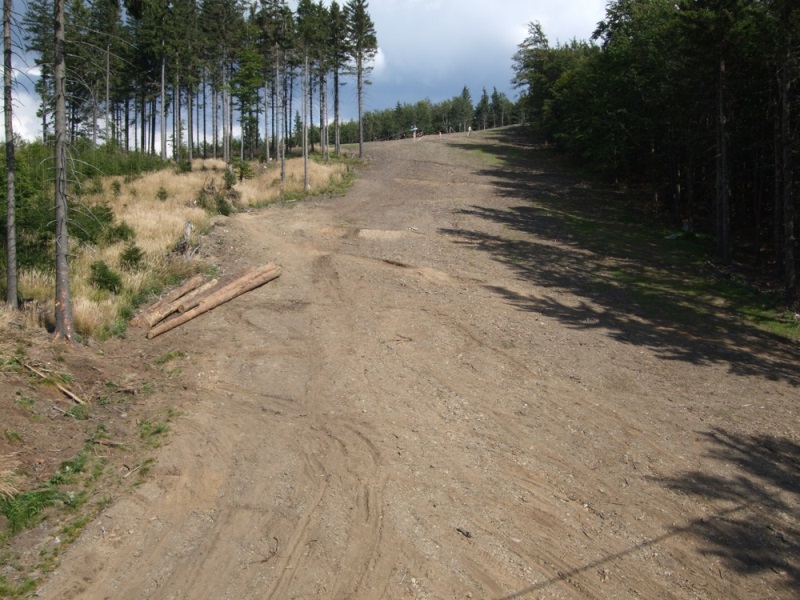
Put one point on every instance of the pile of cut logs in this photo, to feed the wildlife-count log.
(195, 298)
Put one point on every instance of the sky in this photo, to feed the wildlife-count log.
(429, 49)
(433, 48)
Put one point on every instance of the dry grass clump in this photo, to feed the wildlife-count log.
(92, 314)
(6, 318)
(158, 222)
(213, 164)
(33, 283)
(8, 477)
(265, 186)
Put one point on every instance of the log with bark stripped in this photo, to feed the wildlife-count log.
(194, 282)
(193, 298)
(153, 317)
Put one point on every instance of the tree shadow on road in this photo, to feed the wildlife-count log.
(636, 283)
(757, 533)
(765, 482)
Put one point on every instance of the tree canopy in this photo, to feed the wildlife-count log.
(691, 102)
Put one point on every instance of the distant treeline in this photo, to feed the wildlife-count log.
(692, 100)
(455, 114)
(425, 117)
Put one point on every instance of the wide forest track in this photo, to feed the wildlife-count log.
(391, 418)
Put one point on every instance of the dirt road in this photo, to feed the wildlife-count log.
(433, 401)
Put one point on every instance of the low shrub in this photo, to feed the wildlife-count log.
(105, 278)
(132, 257)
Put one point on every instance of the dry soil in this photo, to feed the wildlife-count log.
(434, 401)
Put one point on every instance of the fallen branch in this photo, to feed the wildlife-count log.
(169, 298)
(132, 471)
(249, 281)
(110, 443)
(72, 396)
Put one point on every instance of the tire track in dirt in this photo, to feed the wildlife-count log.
(354, 459)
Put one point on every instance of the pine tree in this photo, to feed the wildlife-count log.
(338, 51)
(362, 48)
(37, 25)
(482, 110)
(222, 22)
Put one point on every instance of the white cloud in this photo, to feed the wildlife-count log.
(379, 65)
(25, 122)
(434, 48)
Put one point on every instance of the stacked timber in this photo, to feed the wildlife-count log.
(194, 298)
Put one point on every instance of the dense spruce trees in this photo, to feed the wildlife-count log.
(696, 101)
(144, 73)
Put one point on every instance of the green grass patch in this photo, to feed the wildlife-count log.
(26, 509)
(169, 356)
(24, 401)
(12, 437)
(10, 590)
(151, 432)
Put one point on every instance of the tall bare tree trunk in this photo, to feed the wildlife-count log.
(153, 114)
(127, 125)
(225, 148)
(11, 228)
(65, 328)
(205, 109)
(214, 117)
(337, 144)
(360, 94)
(189, 122)
(280, 118)
(230, 123)
(108, 94)
(306, 90)
(177, 136)
(310, 114)
(163, 103)
(787, 139)
(266, 121)
(323, 109)
(143, 123)
(723, 217)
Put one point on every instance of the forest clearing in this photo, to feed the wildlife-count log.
(479, 375)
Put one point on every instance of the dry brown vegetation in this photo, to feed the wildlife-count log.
(157, 207)
(7, 476)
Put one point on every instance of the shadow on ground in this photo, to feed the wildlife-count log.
(638, 285)
(764, 484)
(757, 532)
